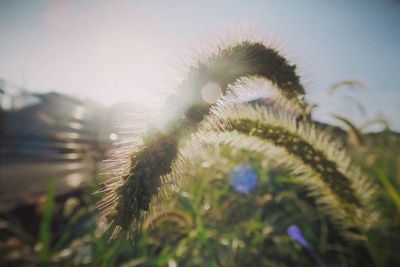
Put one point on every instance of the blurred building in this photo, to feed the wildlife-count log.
(45, 137)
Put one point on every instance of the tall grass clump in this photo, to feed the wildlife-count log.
(128, 197)
(313, 156)
(261, 109)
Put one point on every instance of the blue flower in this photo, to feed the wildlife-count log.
(295, 233)
(243, 178)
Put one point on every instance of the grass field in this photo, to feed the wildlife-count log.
(248, 184)
(213, 222)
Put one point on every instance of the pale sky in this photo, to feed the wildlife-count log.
(113, 51)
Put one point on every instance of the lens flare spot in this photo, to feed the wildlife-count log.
(113, 137)
(74, 180)
(211, 92)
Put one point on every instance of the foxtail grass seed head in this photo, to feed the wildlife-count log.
(129, 197)
(311, 154)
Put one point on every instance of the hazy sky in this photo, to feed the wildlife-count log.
(116, 51)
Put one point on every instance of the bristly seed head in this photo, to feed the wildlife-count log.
(128, 198)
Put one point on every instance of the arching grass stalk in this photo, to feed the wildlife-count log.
(128, 196)
(314, 158)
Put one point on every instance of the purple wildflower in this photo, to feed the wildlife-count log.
(295, 233)
(243, 178)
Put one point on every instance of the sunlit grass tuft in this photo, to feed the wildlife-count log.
(128, 197)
